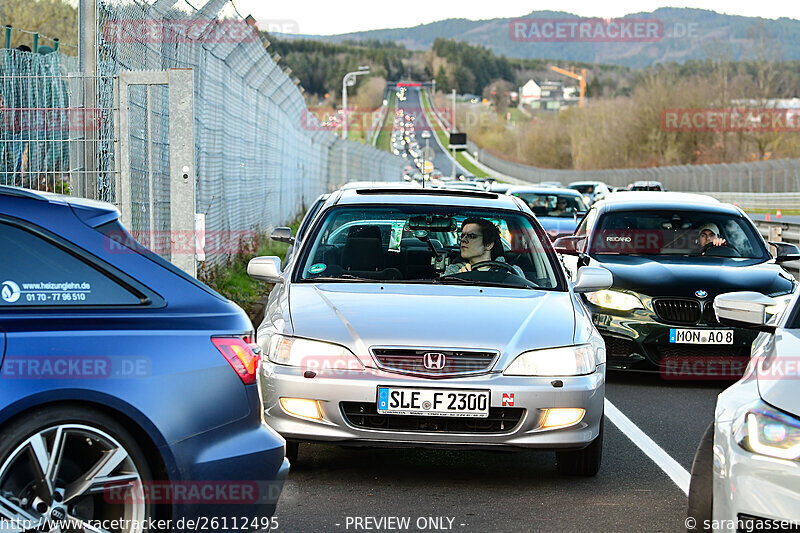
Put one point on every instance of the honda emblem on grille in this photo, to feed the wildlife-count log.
(433, 360)
(701, 293)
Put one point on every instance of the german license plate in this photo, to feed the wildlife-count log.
(436, 402)
(701, 336)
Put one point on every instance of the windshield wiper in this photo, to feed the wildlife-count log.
(343, 277)
(449, 280)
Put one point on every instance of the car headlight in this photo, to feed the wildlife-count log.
(766, 431)
(617, 300)
(314, 355)
(566, 361)
(782, 301)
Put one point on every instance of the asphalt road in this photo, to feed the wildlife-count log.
(335, 489)
(413, 105)
(793, 219)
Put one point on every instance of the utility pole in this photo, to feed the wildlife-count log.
(425, 135)
(87, 64)
(452, 130)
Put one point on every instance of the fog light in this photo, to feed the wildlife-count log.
(562, 417)
(302, 407)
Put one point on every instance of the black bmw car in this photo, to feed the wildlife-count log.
(670, 255)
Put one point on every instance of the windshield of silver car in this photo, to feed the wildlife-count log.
(429, 244)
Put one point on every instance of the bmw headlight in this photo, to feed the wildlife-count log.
(313, 355)
(616, 300)
(566, 361)
(766, 431)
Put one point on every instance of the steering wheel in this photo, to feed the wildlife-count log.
(493, 265)
(709, 245)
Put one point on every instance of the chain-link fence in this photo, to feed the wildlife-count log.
(259, 155)
(42, 127)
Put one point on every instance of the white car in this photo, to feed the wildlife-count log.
(746, 473)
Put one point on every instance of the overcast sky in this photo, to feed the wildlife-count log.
(328, 17)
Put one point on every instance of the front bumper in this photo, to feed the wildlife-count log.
(342, 394)
(639, 339)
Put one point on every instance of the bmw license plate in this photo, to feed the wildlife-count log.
(701, 336)
(436, 402)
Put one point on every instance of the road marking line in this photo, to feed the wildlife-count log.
(670, 466)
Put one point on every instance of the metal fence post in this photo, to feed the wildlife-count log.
(181, 168)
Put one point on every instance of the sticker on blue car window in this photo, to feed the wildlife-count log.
(44, 292)
(316, 268)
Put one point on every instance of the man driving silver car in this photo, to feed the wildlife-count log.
(480, 242)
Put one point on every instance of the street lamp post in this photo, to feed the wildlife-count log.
(348, 81)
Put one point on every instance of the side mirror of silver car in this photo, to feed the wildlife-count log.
(265, 268)
(746, 308)
(282, 234)
(590, 279)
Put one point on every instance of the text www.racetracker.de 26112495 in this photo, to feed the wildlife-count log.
(203, 523)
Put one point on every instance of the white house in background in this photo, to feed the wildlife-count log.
(531, 92)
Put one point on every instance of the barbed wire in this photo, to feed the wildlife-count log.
(42, 35)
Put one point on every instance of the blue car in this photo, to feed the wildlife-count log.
(558, 210)
(128, 389)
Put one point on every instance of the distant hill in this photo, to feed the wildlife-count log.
(713, 35)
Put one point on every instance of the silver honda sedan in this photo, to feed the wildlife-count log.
(434, 318)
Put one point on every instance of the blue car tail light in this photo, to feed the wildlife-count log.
(242, 354)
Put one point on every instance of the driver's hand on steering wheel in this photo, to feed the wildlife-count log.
(718, 241)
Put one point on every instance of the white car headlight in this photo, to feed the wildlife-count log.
(617, 300)
(766, 431)
(782, 301)
(313, 355)
(566, 361)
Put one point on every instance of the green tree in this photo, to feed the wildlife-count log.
(53, 18)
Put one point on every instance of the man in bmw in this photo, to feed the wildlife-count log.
(365, 344)
(671, 254)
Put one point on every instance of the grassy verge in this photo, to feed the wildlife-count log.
(231, 280)
(773, 211)
(445, 139)
(385, 135)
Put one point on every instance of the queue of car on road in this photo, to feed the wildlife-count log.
(693, 282)
(379, 332)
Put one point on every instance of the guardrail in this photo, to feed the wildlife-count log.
(751, 200)
(377, 123)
